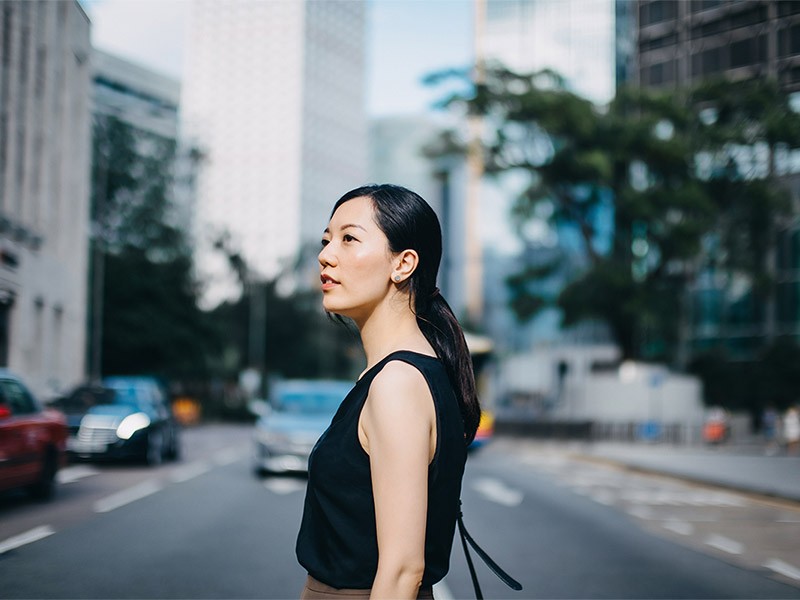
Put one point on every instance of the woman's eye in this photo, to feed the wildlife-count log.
(325, 243)
(348, 238)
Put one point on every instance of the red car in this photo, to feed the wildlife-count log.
(33, 440)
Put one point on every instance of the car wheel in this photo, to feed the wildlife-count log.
(45, 487)
(155, 449)
(174, 447)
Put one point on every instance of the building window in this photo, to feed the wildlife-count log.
(745, 52)
(788, 7)
(657, 12)
(789, 41)
(701, 5)
(707, 62)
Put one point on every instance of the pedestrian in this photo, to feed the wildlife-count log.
(791, 430)
(384, 480)
(770, 425)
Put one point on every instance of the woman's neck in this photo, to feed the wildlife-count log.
(391, 327)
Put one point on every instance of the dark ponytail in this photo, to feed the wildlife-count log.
(410, 223)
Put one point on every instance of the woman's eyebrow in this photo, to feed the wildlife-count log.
(343, 227)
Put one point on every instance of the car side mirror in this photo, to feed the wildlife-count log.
(5, 411)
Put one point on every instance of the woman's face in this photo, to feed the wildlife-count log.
(355, 261)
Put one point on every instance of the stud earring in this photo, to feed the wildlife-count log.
(397, 277)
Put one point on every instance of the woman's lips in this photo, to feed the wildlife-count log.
(328, 282)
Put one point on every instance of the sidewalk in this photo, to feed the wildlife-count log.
(742, 469)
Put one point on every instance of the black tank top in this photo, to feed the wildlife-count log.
(337, 543)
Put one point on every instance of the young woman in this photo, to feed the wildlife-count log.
(385, 478)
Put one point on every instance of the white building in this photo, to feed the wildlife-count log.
(274, 93)
(45, 154)
(149, 102)
(573, 37)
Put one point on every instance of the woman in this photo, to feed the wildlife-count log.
(385, 478)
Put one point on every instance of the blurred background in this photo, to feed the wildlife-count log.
(617, 182)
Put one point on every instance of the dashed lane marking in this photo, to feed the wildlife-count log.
(725, 544)
(783, 568)
(190, 471)
(33, 535)
(679, 527)
(283, 486)
(126, 496)
(73, 474)
(497, 491)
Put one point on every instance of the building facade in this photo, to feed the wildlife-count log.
(574, 38)
(274, 94)
(682, 43)
(45, 155)
(678, 43)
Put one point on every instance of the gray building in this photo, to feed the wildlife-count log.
(681, 43)
(45, 155)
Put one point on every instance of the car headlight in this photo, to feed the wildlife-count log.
(131, 424)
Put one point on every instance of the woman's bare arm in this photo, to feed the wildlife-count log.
(397, 429)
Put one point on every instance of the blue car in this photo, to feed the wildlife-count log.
(298, 413)
(122, 418)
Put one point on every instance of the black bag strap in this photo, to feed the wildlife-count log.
(466, 537)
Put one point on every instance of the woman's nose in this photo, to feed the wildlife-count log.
(325, 256)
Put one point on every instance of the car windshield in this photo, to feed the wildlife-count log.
(83, 399)
(308, 403)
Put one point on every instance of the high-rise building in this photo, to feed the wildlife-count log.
(572, 37)
(45, 154)
(681, 43)
(678, 43)
(576, 39)
(274, 94)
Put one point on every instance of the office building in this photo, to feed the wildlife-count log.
(678, 43)
(45, 160)
(683, 43)
(274, 95)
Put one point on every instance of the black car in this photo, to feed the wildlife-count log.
(121, 418)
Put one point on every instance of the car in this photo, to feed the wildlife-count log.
(297, 414)
(32, 440)
(121, 418)
(485, 430)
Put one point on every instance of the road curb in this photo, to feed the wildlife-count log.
(757, 493)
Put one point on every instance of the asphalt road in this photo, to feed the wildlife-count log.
(206, 528)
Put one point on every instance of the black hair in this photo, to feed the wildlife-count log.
(409, 223)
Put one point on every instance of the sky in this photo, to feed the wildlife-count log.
(406, 39)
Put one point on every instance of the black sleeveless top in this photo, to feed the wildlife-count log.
(337, 543)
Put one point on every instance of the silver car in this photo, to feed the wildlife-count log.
(298, 413)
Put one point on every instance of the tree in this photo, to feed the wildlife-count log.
(666, 162)
(150, 319)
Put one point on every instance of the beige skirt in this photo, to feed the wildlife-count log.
(316, 590)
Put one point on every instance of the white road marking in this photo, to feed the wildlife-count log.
(283, 486)
(680, 527)
(32, 535)
(725, 544)
(228, 456)
(442, 592)
(190, 471)
(73, 474)
(641, 512)
(497, 491)
(603, 497)
(783, 568)
(126, 496)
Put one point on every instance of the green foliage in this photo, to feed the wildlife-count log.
(150, 319)
(680, 168)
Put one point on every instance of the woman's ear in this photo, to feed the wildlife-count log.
(405, 263)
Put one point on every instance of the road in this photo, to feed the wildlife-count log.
(566, 528)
